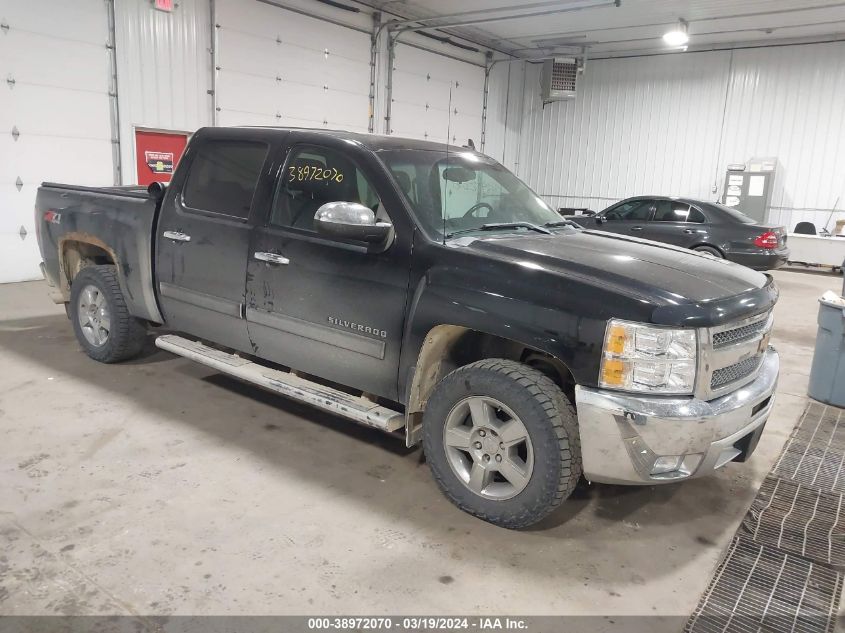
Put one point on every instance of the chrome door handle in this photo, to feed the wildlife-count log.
(690, 231)
(272, 258)
(177, 236)
(636, 228)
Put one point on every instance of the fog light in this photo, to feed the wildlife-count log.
(667, 464)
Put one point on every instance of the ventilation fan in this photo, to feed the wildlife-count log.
(559, 78)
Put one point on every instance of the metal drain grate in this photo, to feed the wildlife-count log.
(759, 588)
(798, 520)
(815, 453)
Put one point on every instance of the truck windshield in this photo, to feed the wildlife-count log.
(462, 191)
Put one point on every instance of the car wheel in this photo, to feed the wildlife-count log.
(101, 320)
(709, 250)
(502, 442)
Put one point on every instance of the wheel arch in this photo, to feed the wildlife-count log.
(447, 347)
(78, 250)
(715, 247)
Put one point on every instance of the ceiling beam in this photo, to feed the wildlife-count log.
(585, 4)
(487, 10)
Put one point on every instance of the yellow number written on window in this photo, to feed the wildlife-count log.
(301, 173)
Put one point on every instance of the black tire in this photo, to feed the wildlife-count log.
(126, 334)
(715, 252)
(548, 418)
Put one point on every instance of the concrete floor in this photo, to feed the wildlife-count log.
(159, 487)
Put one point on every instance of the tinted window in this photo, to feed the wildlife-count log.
(671, 211)
(696, 216)
(314, 176)
(636, 210)
(223, 177)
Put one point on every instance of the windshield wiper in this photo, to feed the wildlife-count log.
(495, 226)
(552, 225)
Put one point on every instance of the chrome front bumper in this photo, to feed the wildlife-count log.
(623, 434)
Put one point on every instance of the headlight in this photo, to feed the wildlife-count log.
(648, 358)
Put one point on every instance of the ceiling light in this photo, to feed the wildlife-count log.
(679, 35)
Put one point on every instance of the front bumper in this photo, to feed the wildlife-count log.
(623, 434)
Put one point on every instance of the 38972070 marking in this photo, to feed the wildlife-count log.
(350, 624)
(302, 173)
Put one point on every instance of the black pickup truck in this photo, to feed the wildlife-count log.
(424, 290)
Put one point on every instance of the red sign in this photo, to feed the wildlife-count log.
(157, 154)
(164, 5)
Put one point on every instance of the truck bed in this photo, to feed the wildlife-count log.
(118, 220)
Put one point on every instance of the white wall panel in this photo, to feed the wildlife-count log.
(637, 126)
(436, 97)
(164, 70)
(278, 67)
(505, 102)
(671, 124)
(789, 102)
(55, 53)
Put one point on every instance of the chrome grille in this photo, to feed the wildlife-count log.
(731, 354)
(745, 332)
(737, 371)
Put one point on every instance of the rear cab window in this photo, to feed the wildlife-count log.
(222, 177)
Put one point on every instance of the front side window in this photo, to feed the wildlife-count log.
(633, 211)
(460, 192)
(314, 176)
(223, 176)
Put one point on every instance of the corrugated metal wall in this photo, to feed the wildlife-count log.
(789, 102)
(163, 69)
(671, 124)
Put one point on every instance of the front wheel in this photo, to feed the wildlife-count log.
(101, 320)
(502, 442)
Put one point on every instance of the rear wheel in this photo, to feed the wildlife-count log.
(502, 442)
(101, 320)
(714, 252)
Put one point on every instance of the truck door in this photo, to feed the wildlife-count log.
(324, 306)
(203, 236)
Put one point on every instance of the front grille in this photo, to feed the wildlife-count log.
(737, 371)
(743, 333)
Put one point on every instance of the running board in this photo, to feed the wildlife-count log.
(355, 408)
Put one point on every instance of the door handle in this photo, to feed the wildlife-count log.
(177, 236)
(272, 258)
(636, 228)
(690, 231)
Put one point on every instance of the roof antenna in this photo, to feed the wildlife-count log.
(448, 138)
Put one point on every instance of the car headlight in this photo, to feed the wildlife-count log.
(648, 358)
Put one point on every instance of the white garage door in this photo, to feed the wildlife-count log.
(278, 67)
(436, 97)
(54, 114)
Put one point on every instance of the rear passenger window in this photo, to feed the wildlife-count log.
(695, 216)
(223, 176)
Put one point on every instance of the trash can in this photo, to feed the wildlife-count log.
(827, 375)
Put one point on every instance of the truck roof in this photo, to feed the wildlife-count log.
(373, 142)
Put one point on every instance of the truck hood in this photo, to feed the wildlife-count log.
(645, 270)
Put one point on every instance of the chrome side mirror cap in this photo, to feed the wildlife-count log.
(351, 221)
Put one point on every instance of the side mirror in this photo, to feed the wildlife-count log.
(351, 221)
